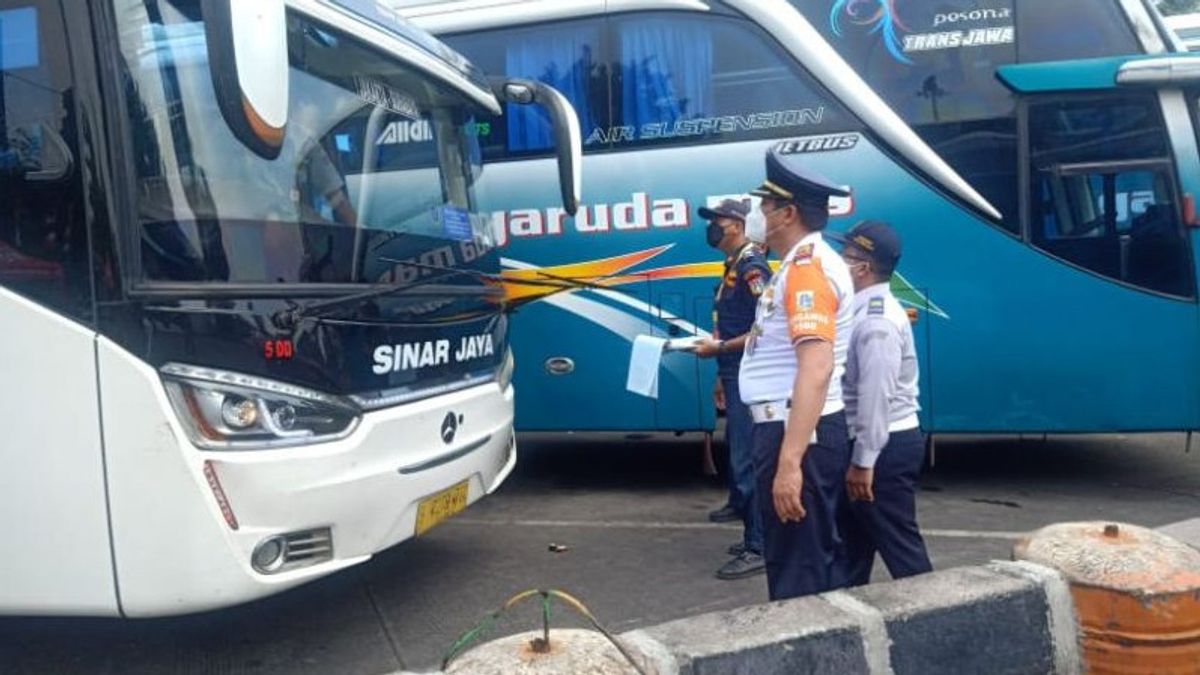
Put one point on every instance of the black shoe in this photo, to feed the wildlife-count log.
(725, 514)
(745, 565)
(736, 549)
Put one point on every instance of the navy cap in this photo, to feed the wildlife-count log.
(789, 181)
(877, 240)
(730, 208)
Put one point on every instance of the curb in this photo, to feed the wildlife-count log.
(1001, 618)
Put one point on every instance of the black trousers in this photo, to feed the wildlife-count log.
(889, 524)
(801, 557)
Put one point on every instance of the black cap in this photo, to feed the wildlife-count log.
(730, 208)
(789, 181)
(877, 240)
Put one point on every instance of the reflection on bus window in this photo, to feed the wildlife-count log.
(1102, 191)
(565, 56)
(43, 240)
(1058, 31)
(372, 150)
(687, 79)
(935, 65)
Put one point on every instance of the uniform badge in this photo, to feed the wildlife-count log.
(754, 281)
(805, 301)
(875, 306)
(804, 254)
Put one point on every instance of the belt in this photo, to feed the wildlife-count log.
(771, 411)
(777, 411)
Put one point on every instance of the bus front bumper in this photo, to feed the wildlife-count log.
(186, 522)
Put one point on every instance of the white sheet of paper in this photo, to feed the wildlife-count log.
(643, 365)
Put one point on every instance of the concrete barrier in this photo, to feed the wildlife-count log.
(1004, 617)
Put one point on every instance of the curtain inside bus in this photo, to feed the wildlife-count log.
(565, 61)
(666, 73)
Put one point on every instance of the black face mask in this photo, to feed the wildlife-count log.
(714, 233)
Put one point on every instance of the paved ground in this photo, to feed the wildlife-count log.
(640, 552)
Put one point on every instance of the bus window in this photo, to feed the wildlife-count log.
(932, 62)
(43, 241)
(692, 79)
(1103, 193)
(935, 64)
(1057, 31)
(565, 56)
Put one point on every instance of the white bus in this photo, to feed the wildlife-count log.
(226, 366)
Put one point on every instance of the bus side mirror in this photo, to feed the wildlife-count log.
(248, 58)
(568, 141)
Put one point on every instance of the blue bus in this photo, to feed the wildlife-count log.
(1039, 158)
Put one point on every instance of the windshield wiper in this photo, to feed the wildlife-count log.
(288, 319)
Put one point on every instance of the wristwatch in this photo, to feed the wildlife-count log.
(720, 346)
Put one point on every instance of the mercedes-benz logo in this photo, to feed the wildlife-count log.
(449, 428)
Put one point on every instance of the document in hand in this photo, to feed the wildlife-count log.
(646, 358)
(643, 365)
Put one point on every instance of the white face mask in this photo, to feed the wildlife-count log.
(756, 226)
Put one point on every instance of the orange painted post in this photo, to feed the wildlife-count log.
(1136, 594)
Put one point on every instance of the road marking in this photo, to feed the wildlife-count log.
(668, 525)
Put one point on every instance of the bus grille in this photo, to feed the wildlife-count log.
(307, 548)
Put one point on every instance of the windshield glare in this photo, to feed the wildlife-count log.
(373, 150)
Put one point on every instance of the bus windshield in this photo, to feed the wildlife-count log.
(373, 150)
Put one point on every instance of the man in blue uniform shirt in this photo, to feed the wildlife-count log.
(880, 388)
(746, 275)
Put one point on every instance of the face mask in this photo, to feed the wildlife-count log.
(714, 233)
(856, 267)
(756, 227)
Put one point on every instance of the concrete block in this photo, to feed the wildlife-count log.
(966, 620)
(806, 635)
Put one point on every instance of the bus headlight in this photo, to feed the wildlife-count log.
(222, 410)
(505, 374)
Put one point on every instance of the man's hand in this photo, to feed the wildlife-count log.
(719, 395)
(707, 348)
(789, 483)
(859, 482)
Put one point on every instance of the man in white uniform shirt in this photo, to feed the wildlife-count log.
(881, 405)
(791, 380)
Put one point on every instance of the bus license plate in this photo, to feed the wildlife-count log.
(435, 509)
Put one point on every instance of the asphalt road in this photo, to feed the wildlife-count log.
(639, 551)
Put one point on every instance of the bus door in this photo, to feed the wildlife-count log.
(702, 313)
(1188, 155)
(1110, 176)
(52, 488)
(676, 406)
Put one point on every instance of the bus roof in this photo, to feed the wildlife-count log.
(386, 29)
(443, 16)
(777, 17)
